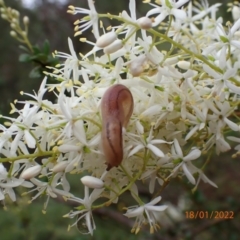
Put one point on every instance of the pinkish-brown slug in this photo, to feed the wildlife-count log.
(116, 108)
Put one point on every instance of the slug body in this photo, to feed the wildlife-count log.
(116, 108)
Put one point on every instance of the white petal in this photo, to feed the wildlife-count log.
(79, 131)
(188, 174)
(179, 14)
(68, 148)
(207, 180)
(235, 139)
(3, 170)
(14, 182)
(71, 48)
(156, 141)
(132, 8)
(11, 194)
(177, 148)
(139, 127)
(194, 154)
(159, 19)
(153, 11)
(180, 3)
(156, 208)
(31, 142)
(1, 195)
(135, 212)
(155, 201)
(192, 131)
(155, 150)
(27, 184)
(135, 150)
(231, 124)
(235, 43)
(232, 87)
(235, 27)
(65, 184)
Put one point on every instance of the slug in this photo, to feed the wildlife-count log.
(116, 108)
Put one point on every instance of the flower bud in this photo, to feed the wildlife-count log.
(106, 39)
(31, 172)
(116, 45)
(15, 13)
(4, 16)
(26, 20)
(92, 182)
(13, 34)
(183, 65)
(60, 167)
(13, 25)
(144, 23)
(235, 13)
(64, 148)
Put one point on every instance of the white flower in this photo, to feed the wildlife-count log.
(222, 80)
(69, 69)
(198, 119)
(184, 162)
(87, 22)
(224, 41)
(7, 183)
(50, 189)
(219, 117)
(149, 143)
(84, 212)
(146, 214)
(168, 7)
(188, 94)
(130, 29)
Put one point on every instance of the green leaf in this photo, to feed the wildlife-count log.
(35, 72)
(24, 57)
(24, 48)
(46, 47)
(41, 57)
(36, 49)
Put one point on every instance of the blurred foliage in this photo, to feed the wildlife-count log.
(41, 57)
(49, 22)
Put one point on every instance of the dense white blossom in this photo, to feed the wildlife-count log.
(184, 102)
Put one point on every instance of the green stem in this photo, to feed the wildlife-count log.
(33, 155)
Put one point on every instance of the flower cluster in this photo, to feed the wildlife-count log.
(186, 99)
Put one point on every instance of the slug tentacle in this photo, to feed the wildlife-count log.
(116, 108)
